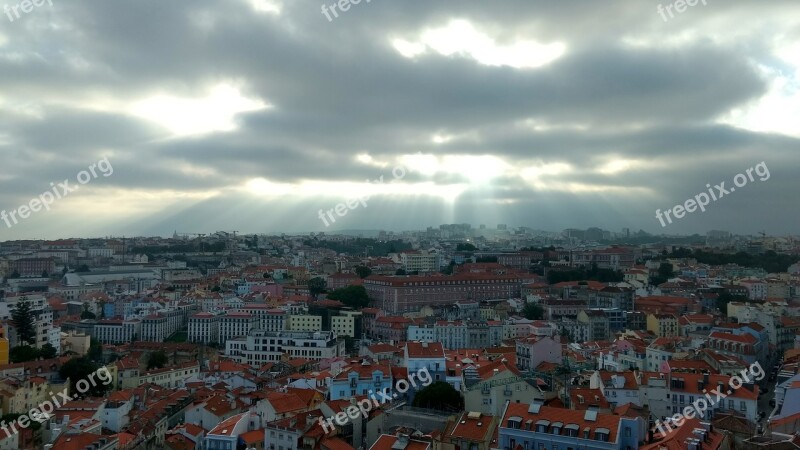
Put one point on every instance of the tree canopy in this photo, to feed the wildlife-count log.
(24, 321)
(352, 296)
(157, 360)
(533, 311)
(439, 395)
(363, 271)
(81, 368)
(316, 286)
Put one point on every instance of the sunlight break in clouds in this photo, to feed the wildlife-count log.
(189, 116)
(461, 38)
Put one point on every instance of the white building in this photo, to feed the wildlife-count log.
(260, 347)
(234, 325)
(117, 331)
(204, 327)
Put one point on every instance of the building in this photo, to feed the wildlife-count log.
(260, 347)
(410, 294)
(487, 387)
(532, 351)
(234, 325)
(534, 426)
(663, 325)
(363, 379)
(204, 327)
(117, 331)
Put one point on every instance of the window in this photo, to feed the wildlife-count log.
(743, 405)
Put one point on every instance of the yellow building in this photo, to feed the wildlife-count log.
(663, 325)
(345, 324)
(3, 351)
(305, 323)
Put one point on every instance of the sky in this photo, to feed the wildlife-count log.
(262, 116)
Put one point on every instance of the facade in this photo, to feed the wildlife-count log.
(158, 327)
(304, 322)
(533, 351)
(663, 325)
(234, 325)
(117, 331)
(260, 347)
(204, 327)
(363, 379)
(409, 294)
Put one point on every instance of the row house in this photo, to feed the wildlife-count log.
(533, 426)
(532, 351)
(363, 379)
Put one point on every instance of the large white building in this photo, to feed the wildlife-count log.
(269, 319)
(117, 331)
(234, 325)
(414, 261)
(204, 327)
(260, 347)
(158, 327)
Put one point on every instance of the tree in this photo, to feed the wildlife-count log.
(14, 274)
(24, 321)
(23, 353)
(82, 268)
(45, 274)
(465, 247)
(157, 360)
(363, 271)
(439, 395)
(316, 286)
(400, 272)
(83, 368)
(86, 314)
(48, 351)
(533, 311)
(353, 296)
(95, 350)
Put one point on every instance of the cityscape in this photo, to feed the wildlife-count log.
(386, 225)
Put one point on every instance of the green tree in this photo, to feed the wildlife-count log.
(400, 272)
(48, 351)
(45, 274)
(24, 353)
(439, 395)
(533, 311)
(465, 247)
(95, 350)
(353, 296)
(157, 360)
(24, 321)
(82, 368)
(82, 268)
(316, 286)
(363, 271)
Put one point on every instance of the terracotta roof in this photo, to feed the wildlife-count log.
(476, 428)
(566, 417)
(425, 349)
(386, 442)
